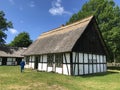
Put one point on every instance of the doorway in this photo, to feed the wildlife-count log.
(36, 62)
(4, 61)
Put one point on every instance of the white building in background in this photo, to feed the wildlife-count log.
(11, 55)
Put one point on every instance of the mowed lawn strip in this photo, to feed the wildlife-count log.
(12, 79)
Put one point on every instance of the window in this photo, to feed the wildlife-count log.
(50, 59)
(58, 60)
(39, 60)
(27, 60)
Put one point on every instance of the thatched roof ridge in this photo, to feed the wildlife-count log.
(59, 40)
(11, 51)
(66, 28)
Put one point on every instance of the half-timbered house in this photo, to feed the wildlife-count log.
(11, 55)
(75, 49)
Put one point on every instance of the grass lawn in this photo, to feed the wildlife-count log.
(12, 79)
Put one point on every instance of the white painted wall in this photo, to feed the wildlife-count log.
(44, 68)
(86, 68)
(49, 69)
(80, 57)
(85, 58)
(27, 66)
(90, 68)
(73, 58)
(101, 67)
(65, 71)
(105, 68)
(95, 68)
(66, 67)
(98, 67)
(98, 61)
(81, 69)
(59, 70)
(101, 58)
(95, 63)
(31, 65)
(90, 58)
(40, 66)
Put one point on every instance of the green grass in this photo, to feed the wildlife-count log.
(12, 79)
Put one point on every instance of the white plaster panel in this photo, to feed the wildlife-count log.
(27, 66)
(49, 69)
(105, 68)
(73, 57)
(64, 59)
(30, 58)
(95, 69)
(44, 68)
(98, 68)
(98, 61)
(90, 68)
(80, 57)
(31, 65)
(68, 57)
(40, 66)
(76, 69)
(85, 58)
(90, 58)
(59, 70)
(86, 68)
(94, 58)
(101, 58)
(104, 59)
(33, 58)
(65, 71)
(81, 69)
(101, 67)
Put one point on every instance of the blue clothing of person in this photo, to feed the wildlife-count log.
(22, 64)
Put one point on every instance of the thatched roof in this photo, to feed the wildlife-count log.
(58, 40)
(11, 51)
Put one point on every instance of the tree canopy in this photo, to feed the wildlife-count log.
(108, 19)
(4, 25)
(22, 40)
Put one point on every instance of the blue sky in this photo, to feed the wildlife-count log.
(38, 16)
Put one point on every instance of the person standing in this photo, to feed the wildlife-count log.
(22, 64)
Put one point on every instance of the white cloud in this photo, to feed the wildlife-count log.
(58, 9)
(12, 1)
(13, 31)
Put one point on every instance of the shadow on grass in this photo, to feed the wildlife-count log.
(100, 74)
(113, 68)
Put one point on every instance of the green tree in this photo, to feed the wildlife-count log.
(108, 19)
(4, 25)
(22, 40)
